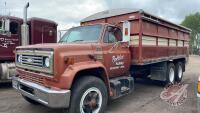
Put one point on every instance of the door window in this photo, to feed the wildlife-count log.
(112, 35)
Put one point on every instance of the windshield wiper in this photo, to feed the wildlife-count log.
(77, 40)
(70, 42)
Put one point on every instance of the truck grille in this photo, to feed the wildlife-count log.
(31, 77)
(32, 60)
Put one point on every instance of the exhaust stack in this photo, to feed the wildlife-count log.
(25, 28)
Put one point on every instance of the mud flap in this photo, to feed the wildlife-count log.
(159, 71)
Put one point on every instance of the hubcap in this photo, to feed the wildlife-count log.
(91, 101)
(180, 71)
(171, 75)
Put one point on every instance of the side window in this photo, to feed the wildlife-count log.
(113, 34)
(14, 27)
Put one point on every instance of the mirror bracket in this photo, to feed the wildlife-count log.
(116, 44)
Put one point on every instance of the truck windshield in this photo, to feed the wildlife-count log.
(82, 34)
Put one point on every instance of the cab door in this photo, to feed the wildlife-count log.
(9, 40)
(116, 54)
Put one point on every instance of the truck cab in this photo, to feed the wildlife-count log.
(10, 33)
(108, 45)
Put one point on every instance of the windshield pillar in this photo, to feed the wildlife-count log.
(1, 25)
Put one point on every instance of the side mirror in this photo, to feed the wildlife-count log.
(7, 25)
(126, 31)
(110, 29)
(117, 32)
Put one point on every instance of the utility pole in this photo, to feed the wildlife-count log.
(5, 9)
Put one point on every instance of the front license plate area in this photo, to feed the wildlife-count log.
(27, 89)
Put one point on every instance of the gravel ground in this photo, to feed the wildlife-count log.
(145, 98)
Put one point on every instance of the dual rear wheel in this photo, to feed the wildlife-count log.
(174, 72)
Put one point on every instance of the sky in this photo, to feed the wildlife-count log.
(68, 13)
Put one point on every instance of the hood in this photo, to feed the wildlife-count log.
(78, 51)
(57, 46)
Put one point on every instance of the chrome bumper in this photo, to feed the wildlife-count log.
(41, 94)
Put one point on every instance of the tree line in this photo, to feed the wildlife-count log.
(192, 21)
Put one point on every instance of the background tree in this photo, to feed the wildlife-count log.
(192, 21)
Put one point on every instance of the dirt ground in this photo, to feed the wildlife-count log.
(145, 98)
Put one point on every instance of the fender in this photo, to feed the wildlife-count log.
(69, 74)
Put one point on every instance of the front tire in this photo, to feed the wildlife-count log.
(89, 95)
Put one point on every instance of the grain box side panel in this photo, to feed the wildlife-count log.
(161, 42)
(162, 31)
(121, 18)
(135, 28)
(149, 28)
(173, 34)
(94, 22)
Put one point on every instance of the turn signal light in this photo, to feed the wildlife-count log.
(198, 86)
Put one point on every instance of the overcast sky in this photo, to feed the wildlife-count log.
(68, 13)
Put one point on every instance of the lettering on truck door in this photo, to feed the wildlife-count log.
(116, 55)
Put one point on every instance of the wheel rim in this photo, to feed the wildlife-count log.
(180, 71)
(171, 75)
(91, 101)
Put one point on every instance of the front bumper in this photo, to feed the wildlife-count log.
(48, 97)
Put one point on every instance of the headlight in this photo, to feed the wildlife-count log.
(46, 61)
(19, 58)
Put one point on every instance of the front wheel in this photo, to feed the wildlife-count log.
(89, 95)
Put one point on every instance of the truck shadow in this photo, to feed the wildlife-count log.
(142, 87)
(149, 82)
(146, 91)
(5, 85)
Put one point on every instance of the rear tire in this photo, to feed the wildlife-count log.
(170, 74)
(31, 101)
(89, 94)
(179, 71)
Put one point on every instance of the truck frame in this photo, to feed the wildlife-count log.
(100, 59)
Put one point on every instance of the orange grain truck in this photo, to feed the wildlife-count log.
(100, 59)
